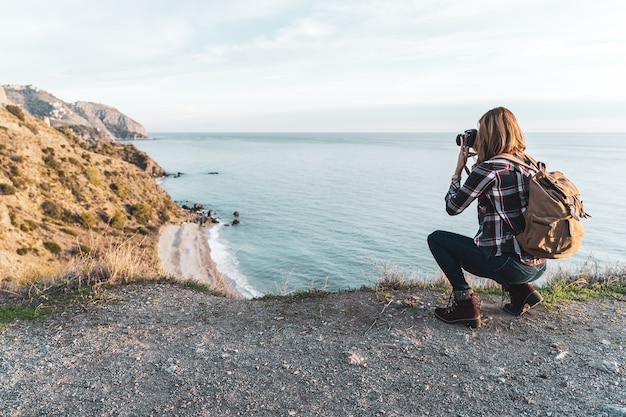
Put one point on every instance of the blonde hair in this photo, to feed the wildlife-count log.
(498, 132)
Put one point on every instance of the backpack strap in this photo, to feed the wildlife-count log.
(528, 161)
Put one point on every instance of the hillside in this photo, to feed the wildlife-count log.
(61, 196)
(90, 121)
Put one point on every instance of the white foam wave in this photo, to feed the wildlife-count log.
(226, 260)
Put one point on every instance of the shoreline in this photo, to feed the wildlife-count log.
(185, 254)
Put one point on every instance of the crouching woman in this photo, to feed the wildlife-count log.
(501, 188)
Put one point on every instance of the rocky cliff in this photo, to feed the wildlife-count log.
(90, 121)
(59, 193)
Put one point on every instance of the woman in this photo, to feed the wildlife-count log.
(501, 188)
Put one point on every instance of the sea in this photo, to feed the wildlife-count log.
(337, 211)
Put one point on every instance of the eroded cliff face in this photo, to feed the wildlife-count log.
(60, 194)
(111, 120)
(90, 121)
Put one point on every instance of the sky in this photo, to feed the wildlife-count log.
(326, 65)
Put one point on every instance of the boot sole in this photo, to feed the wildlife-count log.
(473, 323)
(531, 300)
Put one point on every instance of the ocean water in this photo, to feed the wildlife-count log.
(333, 210)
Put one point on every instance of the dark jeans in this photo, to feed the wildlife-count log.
(455, 253)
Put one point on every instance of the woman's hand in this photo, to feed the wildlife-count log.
(464, 154)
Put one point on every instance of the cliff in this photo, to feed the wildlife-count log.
(89, 121)
(59, 193)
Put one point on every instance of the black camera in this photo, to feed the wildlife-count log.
(469, 135)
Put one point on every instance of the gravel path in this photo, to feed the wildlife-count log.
(161, 350)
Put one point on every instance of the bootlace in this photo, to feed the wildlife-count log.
(452, 304)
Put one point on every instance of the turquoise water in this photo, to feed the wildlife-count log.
(333, 209)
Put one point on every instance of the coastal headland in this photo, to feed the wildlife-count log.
(159, 349)
(152, 349)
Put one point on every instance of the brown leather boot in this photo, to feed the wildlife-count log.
(460, 310)
(523, 298)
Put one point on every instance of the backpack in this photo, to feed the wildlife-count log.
(554, 214)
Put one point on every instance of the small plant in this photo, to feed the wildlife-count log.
(69, 231)
(87, 220)
(52, 247)
(142, 212)
(22, 251)
(120, 190)
(16, 111)
(52, 209)
(29, 226)
(80, 250)
(51, 162)
(7, 189)
(297, 295)
(19, 312)
(117, 220)
(93, 176)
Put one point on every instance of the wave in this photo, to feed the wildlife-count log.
(227, 263)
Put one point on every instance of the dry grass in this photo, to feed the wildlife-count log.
(105, 261)
(110, 261)
(590, 280)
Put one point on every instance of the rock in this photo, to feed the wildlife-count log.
(90, 121)
(236, 214)
(615, 410)
(235, 222)
(606, 366)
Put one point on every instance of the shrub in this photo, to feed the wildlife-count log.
(52, 209)
(16, 111)
(93, 176)
(87, 220)
(7, 189)
(117, 221)
(22, 251)
(69, 231)
(51, 162)
(120, 190)
(28, 226)
(142, 212)
(81, 250)
(52, 247)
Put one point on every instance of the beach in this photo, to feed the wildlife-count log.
(185, 254)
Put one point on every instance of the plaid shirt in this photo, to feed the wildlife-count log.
(501, 188)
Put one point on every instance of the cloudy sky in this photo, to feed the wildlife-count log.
(326, 65)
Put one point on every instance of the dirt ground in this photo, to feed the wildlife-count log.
(162, 350)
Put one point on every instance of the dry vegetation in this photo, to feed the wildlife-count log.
(71, 210)
(80, 216)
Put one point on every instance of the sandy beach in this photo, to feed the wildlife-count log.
(186, 255)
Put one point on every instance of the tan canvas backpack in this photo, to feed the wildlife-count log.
(553, 217)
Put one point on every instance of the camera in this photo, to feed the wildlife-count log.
(469, 135)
